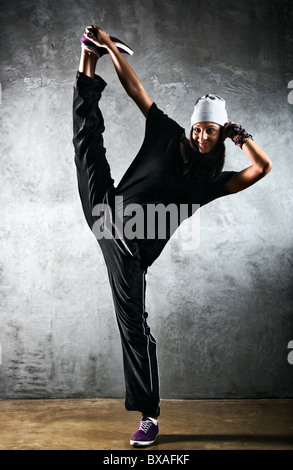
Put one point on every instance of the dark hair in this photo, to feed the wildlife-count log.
(198, 165)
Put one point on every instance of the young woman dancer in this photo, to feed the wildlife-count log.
(169, 169)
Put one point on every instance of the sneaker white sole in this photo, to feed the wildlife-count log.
(141, 443)
(124, 47)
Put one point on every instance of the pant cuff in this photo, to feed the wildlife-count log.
(98, 83)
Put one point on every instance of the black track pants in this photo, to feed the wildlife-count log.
(126, 274)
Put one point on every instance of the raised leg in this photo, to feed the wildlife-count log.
(93, 170)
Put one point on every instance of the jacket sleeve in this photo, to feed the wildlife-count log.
(217, 187)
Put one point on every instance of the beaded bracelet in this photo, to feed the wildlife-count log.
(238, 135)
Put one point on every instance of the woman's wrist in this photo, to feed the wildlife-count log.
(237, 134)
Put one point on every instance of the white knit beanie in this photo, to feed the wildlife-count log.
(210, 108)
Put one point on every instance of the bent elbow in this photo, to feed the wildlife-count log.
(264, 168)
(267, 168)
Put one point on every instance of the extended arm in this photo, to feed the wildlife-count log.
(127, 76)
(261, 166)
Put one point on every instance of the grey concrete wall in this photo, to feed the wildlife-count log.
(221, 314)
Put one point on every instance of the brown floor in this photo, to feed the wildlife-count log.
(103, 424)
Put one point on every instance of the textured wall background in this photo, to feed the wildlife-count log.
(221, 314)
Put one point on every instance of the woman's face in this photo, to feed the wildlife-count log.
(206, 136)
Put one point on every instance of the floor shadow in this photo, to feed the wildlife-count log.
(260, 438)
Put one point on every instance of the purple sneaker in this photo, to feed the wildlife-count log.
(146, 433)
(100, 51)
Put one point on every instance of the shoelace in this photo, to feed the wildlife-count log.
(145, 426)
